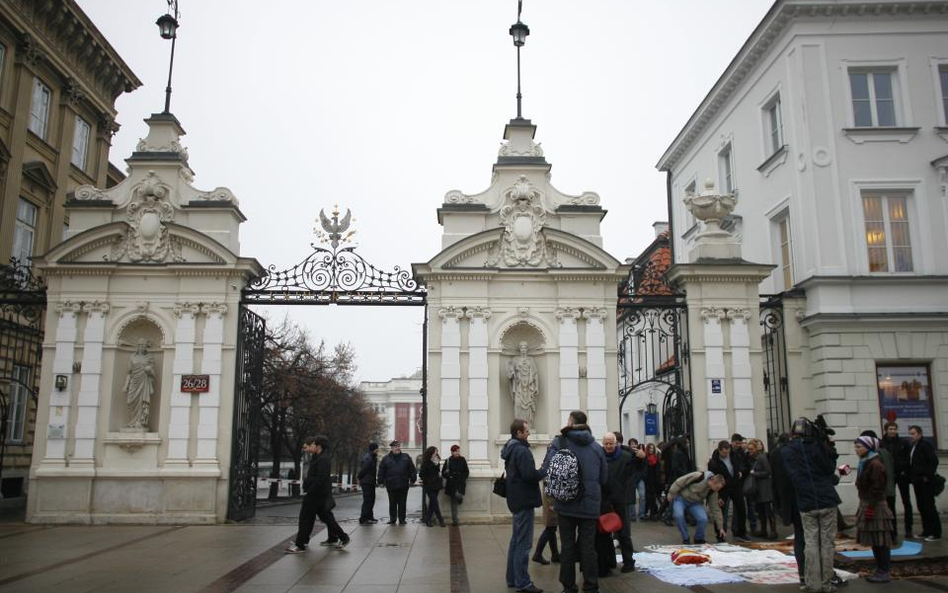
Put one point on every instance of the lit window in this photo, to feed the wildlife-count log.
(783, 227)
(943, 77)
(726, 170)
(773, 120)
(80, 143)
(873, 98)
(888, 238)
(19, 396)
(39, 108)
(24, 232)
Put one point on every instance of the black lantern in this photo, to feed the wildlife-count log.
(167, 26)
(519, 32)
(651, 409)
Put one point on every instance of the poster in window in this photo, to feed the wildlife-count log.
(905, 396)
(402, 412)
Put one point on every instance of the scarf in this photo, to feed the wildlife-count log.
(863, 461)
(614, 455)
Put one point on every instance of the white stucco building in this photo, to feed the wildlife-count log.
(830, 126)
(398, 402)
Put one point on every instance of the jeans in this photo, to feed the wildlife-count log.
(397, 499)
(697, 510)
(799, 544)
(518, 552)
(368, 502)
(434, 508)
(819, 531)
(311, 508)
(588, 561)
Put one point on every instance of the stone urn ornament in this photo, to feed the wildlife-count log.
(710, 207)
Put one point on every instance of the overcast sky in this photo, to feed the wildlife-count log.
(382, 106)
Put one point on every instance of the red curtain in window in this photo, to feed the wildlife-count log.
(402, 412)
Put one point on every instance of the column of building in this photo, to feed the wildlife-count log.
(90, 383)
(596, 401)
(179, 419)
(209, 403)
(478, 435)
(741, 372)
(714, 372)
(450, 376)
(60, 398)
(569, 361)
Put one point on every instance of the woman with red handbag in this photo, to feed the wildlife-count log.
(613, 520)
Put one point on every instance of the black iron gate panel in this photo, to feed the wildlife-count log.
(22, 310)
(776, 380)
(251, 335)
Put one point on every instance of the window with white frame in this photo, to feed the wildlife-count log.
(943, 79)
(781, 226)
(80, 143)
(24, 231)
(873, 94)
(19, 397)
(39, 108)
(690, 190)
(888, 231)
(726, 170)
(773, 125)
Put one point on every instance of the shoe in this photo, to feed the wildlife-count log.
(742, 538)
(540, 559)
(686, 542)
(428, 524)
(879, 577)
(403, 522)
(828, 589)
(933, 538)
(836, 580)
(630, 567)
(555, 558)
(391, 522)
(343, 543)
(329, 542)
(294, 549)
(454, 523)
(372, 521)
(700, 542)
(441, 523)
(530, 589)
(919, 536)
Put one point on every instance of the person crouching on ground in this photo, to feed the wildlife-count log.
(874, 519)
(397, 473)
(523, 496)
(318, 501)
(430, 474)
(689, 493)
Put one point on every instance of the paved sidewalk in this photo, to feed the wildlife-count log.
(249, 558)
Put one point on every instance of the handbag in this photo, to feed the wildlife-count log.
(750, 487)
(609, 523)
(938, 484)
(500, 485)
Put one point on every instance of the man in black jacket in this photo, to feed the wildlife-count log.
(366, 476)
(318, 501)
(923, 464)
(615, 499)
(899, 449)
(723, 462)
(739, 458)
(397, 473)
(523, 497)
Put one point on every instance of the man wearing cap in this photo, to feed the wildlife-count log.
(397, 473)
(367, 471)
(318, 501)
(455, 474)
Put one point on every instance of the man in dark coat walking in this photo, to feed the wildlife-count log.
(899, 450)
(397, 473)
(923, 464)
(581, 515)
(318, 501)
(523, 497)
(366, 476)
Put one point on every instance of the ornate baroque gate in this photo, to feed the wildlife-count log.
(331, 275)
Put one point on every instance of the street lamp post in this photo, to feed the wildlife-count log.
(519, 32)
(168, 28)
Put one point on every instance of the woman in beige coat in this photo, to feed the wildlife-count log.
(549, 533)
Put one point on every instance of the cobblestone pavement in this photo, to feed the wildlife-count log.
(249, 558)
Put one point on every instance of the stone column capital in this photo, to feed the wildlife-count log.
(68, 307)
(96, 307)
(478, 312)
(739, 313)
(182, 309)
(568, 314)
(713, 314)
(450, 312)
(595, 313)
(218, 309)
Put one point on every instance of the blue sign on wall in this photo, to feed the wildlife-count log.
(651, 424)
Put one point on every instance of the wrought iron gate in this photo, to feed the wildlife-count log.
(251, 333)
(776, 381)
(22, 309)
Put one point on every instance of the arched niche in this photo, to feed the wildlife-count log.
(137, 333)
(526, 333)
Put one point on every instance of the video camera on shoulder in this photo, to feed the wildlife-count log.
(816, 430)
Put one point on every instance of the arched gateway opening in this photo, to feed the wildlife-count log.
(333, 274)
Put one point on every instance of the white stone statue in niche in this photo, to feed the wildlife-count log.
(524, 384)
(139, 386)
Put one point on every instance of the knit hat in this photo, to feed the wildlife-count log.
(455, 448)
(868, 442)
(373, 446)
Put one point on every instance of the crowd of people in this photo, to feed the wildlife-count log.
(592, 491)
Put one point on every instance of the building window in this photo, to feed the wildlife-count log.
(785, 264)
(888, 236)
(65, 230)
(24, 231)
(726, 170)
(905, 395)
(873, 98)
(39, 108)
(943, 78)
(690, 191)
(80, 143)
(19, 396)
(773, 121)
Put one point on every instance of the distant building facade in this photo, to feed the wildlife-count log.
(59, 79)
(398, 402)
(831, 126)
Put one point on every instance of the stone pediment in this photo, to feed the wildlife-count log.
(108, 244)
(570, 253)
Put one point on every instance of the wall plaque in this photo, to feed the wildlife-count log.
(195, 383)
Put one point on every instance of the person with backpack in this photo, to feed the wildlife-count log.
(576, 470)
(689, 494)
(523, 497)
